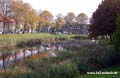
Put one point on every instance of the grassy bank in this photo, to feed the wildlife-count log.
(99, 76)
(13, 39)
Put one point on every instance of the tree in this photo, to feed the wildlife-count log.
(103, 19)
(26, 15)
(45, 19)
(69, 18)
(59, 20)
(117, 35)
(82, 18)
(17, 8)
(33, 19)
(5, 10)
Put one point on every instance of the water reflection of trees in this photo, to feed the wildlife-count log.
(10, 57)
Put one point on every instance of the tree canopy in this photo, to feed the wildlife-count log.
(45, 18)
(82, 18)
(103, 19)
(69, 18)
(60, 21)
(27, 18)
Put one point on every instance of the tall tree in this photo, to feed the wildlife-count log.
(69, 18)
(5, 10)
(27, 15)
(17, 8)
(103, 19)
(59, 21)
(117, 35)
(34, 19)
(82, 18)
(45, 19)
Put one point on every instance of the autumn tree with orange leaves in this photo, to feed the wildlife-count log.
(45, 19)
(5, 11)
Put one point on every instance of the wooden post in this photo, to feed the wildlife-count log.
(15, 57)
(45, 49)
(31, 51)
(38, 49)
(24, 53)
(3, 57)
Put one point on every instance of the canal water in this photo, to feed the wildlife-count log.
(10, 56)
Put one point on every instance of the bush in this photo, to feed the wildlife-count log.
(46, 69)
(92, 57)
(80, 37)
(63, 56)
(21, 75)
(64, 71)
(39, 68)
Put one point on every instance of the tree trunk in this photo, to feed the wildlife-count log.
(24, 30)
(38, 49)
(15, 57)
(111, 37)
(31, 51)
(3, 26)
(3, 56)
(16, 27)
(24, 54)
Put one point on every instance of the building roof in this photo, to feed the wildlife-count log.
(7, 19)
(10, 20)
(1, 18)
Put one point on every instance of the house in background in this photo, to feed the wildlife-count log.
(76, 29)
(46, 29)
(1, 24)
(9, 24)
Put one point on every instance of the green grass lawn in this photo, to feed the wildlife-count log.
(99, 76)
(13, 39)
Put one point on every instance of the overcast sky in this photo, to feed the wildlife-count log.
(65, 6)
